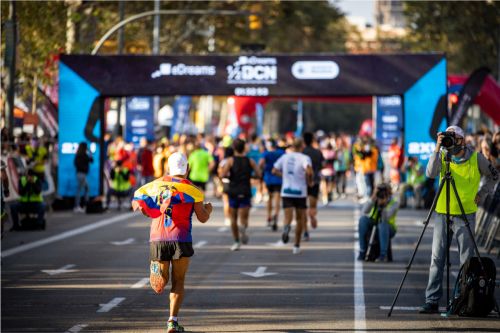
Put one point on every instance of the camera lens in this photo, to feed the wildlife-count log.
(448, 140)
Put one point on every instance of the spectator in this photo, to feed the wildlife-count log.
(37, 156)
(415, 181)
(145, 162)
(120, 184)
(82, 164)
(30, 200)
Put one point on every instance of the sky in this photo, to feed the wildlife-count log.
(355, 9)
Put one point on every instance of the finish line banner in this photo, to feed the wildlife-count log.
(252, 75)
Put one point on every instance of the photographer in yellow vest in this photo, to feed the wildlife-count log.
(466, 166)
(30, 200)
(120, 186)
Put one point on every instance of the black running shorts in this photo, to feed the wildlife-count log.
(273, 188)
(313, 191)
(169, 250)
(300, 203)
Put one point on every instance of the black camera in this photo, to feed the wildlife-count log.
(381, 193)
(449, 139)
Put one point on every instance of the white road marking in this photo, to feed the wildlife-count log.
(223, 229)
(200, 244)
(359, 295)
(67, 234)
(408, 308)
(277, 244)
(141, 283)
(76, 328)
(259, 272)
(124, 242)
(113, 303)
(62, 270)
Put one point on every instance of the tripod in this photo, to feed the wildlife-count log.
(446, 181)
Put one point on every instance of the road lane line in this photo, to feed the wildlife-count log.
(124, 242)
(111, 304)
(200, 244)
(223, 229)
(76, 328)
(67, 234)
(359, 295)
(62, 270)
(408, 308)
(141, 283)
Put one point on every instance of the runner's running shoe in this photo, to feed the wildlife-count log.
(275, 223)
(286, 231)
(156, 279)
(174, 326)
(236, 246)
(296, 250)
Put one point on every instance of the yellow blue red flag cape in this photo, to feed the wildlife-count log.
(155, 197)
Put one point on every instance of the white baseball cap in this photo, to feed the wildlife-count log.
(458, 131)
(177, 164)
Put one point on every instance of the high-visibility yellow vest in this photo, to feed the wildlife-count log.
(413, 177)
(35, 197)
(119, 183)
(375, 215)
(38, 154)
(467, 178)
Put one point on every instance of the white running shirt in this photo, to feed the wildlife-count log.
(293, 168)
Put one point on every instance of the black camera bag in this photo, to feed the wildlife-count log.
(474, 293)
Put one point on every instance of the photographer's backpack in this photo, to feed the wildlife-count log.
(474, 292)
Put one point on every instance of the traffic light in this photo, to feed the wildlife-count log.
(254, 19)
(254, 22)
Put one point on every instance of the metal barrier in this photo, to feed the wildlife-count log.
(488, 222)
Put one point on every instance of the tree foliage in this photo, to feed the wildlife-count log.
(286, 27)
(468, 31)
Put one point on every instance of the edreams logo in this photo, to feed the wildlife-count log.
(167, 69)
(315, 70)
(253, 70)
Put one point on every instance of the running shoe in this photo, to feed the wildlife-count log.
(296, 250)
(274, 227)
(285, 236)
(306, 236)
(156, 279)
(236, 246)
(174, 326)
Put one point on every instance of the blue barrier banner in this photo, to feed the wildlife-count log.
(180, 121)
(389, 120)
(73, 123)
(419, 104)
(139, 119)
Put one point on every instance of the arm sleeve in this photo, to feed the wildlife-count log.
(434, 165)
(489, 173)
(367, 207)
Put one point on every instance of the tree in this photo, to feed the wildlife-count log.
(468, 31)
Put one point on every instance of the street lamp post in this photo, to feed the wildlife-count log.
(165, 12)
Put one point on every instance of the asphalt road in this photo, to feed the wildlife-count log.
(88, 273)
